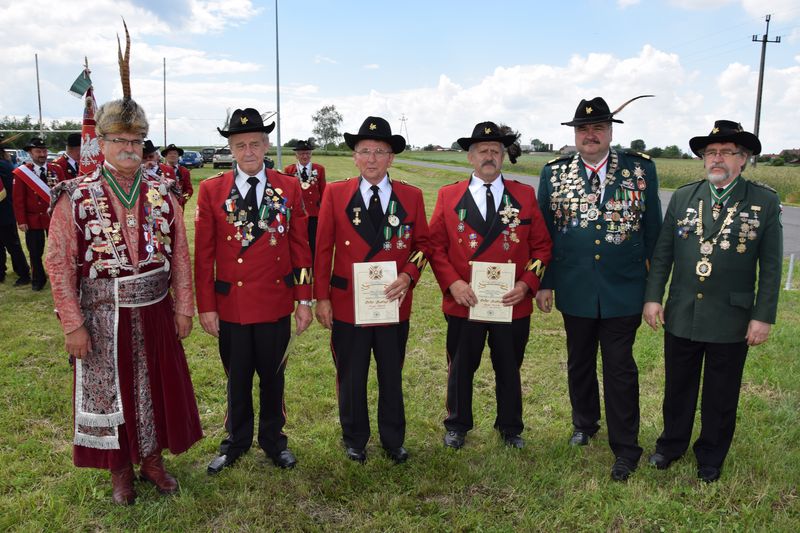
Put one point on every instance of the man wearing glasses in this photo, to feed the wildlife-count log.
(369, 219)
(722, 240)
(122, 286)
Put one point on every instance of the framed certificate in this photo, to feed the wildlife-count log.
(490, 281)
(371, 305)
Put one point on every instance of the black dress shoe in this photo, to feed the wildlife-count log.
(36, 287)
(398, 455)
(513, 441)
(219, 463)
(579, 438)
(358, 455)
(622, 469)
(660, 461)
(284, 459)
(709, 474)
(454, 439)
(22, 281)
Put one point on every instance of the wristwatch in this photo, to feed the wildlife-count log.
(306, 302)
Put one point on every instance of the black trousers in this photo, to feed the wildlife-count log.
(9, 241)
(312, 236)
(465, 342)
(34, 240)
(722, 379)
(351, 346)
(615, 337)
(245, 350)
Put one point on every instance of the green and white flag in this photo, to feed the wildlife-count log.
(81, 85)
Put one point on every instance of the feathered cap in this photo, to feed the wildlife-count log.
(125, 115)
(597, 110)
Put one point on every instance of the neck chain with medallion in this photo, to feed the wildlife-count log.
(127, 199)
(703, 267)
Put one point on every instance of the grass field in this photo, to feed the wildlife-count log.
(672, 173)
(547, 486)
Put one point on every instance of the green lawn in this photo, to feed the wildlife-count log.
(483, 487)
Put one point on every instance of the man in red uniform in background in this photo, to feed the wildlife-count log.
(69, 161)
(252, 261)
(32, 184)
(312, 181)
(183, 177)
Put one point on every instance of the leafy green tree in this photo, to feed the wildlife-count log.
(672, 151)
(326, 125)
(655, 152)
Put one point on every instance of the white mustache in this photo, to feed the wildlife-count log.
(133, 156)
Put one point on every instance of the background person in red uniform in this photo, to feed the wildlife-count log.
(183, 177)
(252, 261)
(32, 184)
(312, 181)
(486, 218)
(369, 218)
(69, 161)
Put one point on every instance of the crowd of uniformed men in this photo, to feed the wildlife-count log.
(270, 244)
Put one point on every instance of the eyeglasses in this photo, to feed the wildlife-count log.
(712, 154)
(377, 153)
(133, 143)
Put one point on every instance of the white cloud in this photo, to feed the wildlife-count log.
(323, 59)
(372, 66)
(698, 5)
(622, 4)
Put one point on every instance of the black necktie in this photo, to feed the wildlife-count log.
(304, 174)
(375, 209)
(490, 208)
(43, 174)
(594, 181)
(251, 201)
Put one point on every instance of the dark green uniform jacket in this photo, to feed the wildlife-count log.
(600, 248)
(713, 300)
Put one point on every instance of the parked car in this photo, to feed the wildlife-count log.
(208, 154)
(223, 158)
(18, 156)
(191, 159)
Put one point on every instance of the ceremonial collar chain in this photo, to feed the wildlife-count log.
(703, 267)
(127, 199)
(722, 197)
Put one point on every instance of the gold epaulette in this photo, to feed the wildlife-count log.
(214, 176)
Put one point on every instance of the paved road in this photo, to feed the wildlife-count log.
(791, 215)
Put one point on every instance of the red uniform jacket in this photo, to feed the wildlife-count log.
(183, 181)
(258, 282)
(459, 235)
(356, 242)
(29, 207)
(312, 194)
(66, 168)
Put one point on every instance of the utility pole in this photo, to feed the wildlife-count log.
(763, 40)
(404, 126)
(165, 102)
(278, 90)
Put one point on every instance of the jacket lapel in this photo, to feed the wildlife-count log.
(356, 213)
(498, 226)
(380, 238)
(473, 215)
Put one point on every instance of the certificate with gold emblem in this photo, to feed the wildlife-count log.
(490, 281)
(371, 305)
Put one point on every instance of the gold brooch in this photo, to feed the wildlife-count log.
(372, 126)
(589, 110)
(714, 131)
(487, 131)
(243, 120)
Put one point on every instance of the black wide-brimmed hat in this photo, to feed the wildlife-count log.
(35, 142)
(726, 131)
(302, 146)
(591, 112)
(486, 132)
(148, 147)
(74, 140)
(245, 121)
(376, 129)
(171, 147)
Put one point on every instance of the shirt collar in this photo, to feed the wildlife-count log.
(383, 186)
(476, 184)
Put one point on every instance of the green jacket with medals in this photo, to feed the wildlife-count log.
(712, 296)
(600, 246)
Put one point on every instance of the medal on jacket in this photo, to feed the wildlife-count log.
(704, 267)
(356, 218)
(387, 235)
(462, 215)
(393, 220)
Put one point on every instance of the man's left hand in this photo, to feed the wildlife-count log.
(302, 317)
(515, 295)
(757, 332)
(183, 326)
(398, 288)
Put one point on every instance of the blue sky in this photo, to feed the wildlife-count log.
(444, 65)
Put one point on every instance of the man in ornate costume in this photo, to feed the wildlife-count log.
(312, 181)
(602, 209)
(118, 247)
(722, 238)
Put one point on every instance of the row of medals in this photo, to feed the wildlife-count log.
(572, 207)
(747, 230)
(244, 229)
(509, 216)
(403, 232)
(311, 180)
